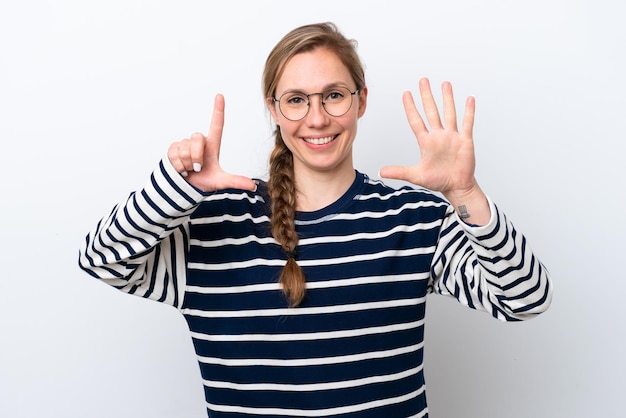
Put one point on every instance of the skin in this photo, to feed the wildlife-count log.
(197, 157)
(447, 161)
(323, 173)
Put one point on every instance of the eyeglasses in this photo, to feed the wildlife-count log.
(335, 101)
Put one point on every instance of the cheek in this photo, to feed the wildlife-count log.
(350, 122)
(287, 128)
(287, 135)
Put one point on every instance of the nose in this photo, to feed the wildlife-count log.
(317, 115)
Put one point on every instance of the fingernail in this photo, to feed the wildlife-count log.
(197, 167)
(184, 174)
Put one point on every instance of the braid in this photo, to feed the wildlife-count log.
(282, 191)
(281, 184)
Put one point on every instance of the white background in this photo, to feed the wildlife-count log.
(92, 93)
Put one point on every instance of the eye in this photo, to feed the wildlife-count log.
(334, 96)
(295, 99)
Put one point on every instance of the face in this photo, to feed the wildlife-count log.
(320, 143)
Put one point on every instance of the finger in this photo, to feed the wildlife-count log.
(174, 156)
(399, 173)
(428, 102)
(449, 109)
(412, 114)
(196, 151)
(467, 126)
(214, 138)
(242, 182)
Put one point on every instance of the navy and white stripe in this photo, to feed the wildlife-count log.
(354, 348)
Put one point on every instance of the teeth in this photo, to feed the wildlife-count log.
(319, 141)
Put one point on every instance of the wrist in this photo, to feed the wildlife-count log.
(471, 205)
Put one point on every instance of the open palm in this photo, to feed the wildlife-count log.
(447, 160)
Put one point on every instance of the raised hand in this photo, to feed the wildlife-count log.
(197, 157)
(447, 160)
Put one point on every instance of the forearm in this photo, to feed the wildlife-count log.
(491, 268)
(144, 219)
(143, 241)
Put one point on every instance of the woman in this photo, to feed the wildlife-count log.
(305, 294)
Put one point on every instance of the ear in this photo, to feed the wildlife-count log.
(271, 105)
(362, 101)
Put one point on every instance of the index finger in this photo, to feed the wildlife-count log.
(412, 114)
(217, 122)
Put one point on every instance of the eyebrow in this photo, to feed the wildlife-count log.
(328, 87)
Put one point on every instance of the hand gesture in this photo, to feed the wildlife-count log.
(447, 155)
(197, 157)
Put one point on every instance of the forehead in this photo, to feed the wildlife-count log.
(313, 71)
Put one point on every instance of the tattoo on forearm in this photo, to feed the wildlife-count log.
(463, 213)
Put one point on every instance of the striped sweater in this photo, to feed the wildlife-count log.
(354, 347)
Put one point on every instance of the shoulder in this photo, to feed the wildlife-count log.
(406, 204)
(378, 191)
(235, 201)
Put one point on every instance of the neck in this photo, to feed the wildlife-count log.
(319, 189)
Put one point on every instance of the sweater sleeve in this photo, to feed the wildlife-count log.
(490, 268)
(140, 247)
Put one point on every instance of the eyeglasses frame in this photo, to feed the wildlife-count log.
(321, 94)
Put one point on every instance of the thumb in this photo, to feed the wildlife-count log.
(243, 182)
(412, 175)
(397, 173)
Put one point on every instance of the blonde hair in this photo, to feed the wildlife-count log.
(281, 183)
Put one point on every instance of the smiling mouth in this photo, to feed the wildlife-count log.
(320, 141)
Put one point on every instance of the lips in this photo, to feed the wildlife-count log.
(319, 141)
